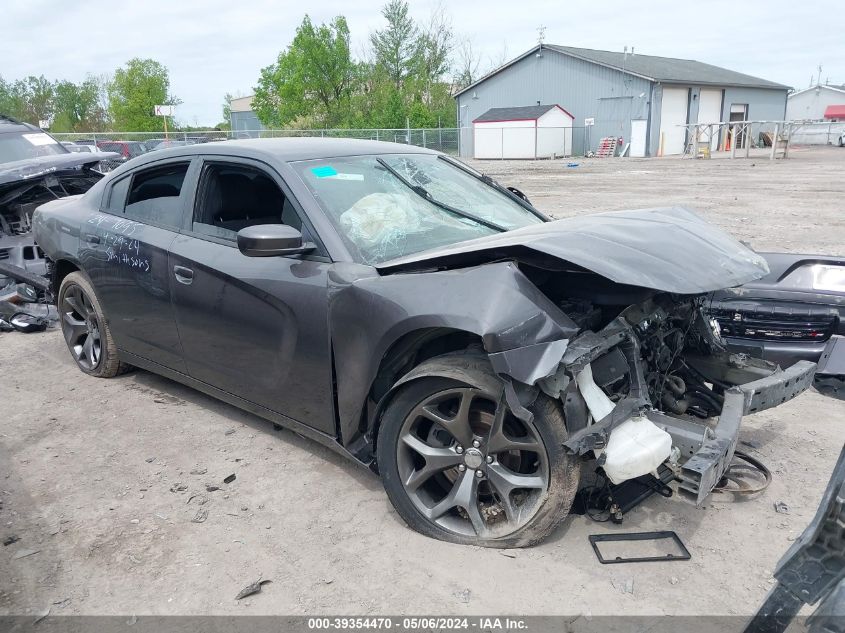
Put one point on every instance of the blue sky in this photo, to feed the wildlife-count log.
(213, 47)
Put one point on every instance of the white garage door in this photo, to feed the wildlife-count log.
(710, 111)
(673, 115)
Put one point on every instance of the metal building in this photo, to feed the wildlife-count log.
(816, 103)
(642, 99)
(244, 122)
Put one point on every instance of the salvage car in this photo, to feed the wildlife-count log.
(795, 312)
(34, 168)
(414, 315)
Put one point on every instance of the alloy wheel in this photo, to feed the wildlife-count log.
(470, 466)
(81, 328)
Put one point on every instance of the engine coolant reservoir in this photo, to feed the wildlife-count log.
(636, 447)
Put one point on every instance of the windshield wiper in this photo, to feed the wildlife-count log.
(423, 193)
(487, 180)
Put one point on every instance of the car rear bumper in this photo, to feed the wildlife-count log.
(708, 463)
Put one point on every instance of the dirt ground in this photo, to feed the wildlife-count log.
(100, 479)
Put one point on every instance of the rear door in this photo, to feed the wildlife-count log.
(124, 250)
(255, 327)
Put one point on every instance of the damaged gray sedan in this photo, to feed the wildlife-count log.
(410, 313)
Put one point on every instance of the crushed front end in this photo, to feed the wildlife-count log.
(654, 385)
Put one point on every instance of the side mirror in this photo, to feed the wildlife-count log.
(271, 240)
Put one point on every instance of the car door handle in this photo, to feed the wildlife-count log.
(92, 239)
(183, 275)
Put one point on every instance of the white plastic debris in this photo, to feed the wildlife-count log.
(635, 448)
(597, 402)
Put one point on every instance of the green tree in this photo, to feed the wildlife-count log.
(227, 110)
(31, 99)
(76, 107)
(396, 46)
(10, 103)
(313, 78)
(133, 92)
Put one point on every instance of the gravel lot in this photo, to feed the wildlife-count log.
(102, 478)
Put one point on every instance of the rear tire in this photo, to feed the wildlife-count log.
(458, 466)
(86, 329)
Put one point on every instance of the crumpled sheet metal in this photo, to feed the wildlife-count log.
(368, 314)
(23, 170)
(669, 249)
(530, 363)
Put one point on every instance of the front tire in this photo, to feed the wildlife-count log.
(458, 466)
(85, 328)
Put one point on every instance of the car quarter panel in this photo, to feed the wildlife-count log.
(368, 313)
(56, 226)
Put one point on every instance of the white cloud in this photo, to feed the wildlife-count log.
(213, 46)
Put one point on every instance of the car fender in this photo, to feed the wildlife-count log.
(368, 313)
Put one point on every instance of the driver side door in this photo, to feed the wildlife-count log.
(254, 327)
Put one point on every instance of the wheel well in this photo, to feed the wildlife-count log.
(61, 269)
(405, 354)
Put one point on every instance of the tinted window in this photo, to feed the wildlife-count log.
(155, 195)
(233, 197)
(117, 195)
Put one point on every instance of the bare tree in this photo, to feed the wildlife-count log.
(467, 64)
(500, 58)
(435, 45)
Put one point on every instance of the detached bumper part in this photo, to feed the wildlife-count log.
(778, 388)
(812, 570)
(703, 470)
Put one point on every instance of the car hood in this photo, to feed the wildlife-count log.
(22, 170)
(669, 249)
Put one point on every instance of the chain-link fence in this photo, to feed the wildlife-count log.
(488, 142)
(131, 144)
(817, 133)
(479, 142)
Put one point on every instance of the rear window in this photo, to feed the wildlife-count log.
(154, 196)
(136, 149)
(22, 146)
(107, 146)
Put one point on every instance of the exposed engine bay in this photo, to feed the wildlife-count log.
(651, 384)
(666, 331)
(18, 201)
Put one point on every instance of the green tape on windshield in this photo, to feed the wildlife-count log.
(324, 172)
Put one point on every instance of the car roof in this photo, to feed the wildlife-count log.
(288, 149)
(8, 124)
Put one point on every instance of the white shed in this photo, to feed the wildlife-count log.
(540, 131)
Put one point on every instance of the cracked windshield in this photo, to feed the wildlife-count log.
(392, 205)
